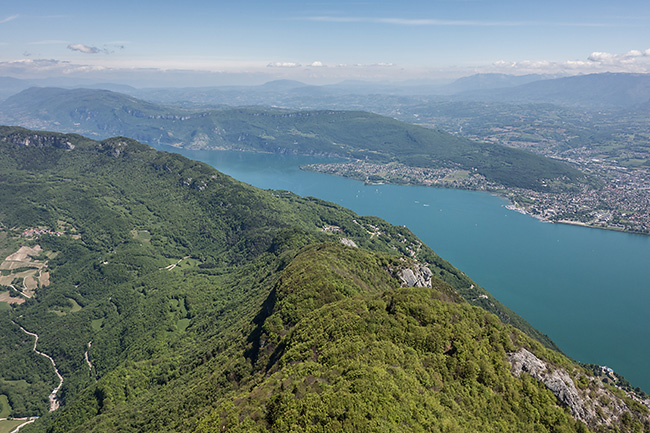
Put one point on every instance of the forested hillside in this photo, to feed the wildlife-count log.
(353, 134)
(175, 298)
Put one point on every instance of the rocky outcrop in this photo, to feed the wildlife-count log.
(38, 140)
(349, 242)
(114, 148)
(417, 276)
(117, 146)
(555, 379)
(594, 403)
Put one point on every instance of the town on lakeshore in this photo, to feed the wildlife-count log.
(621, 200)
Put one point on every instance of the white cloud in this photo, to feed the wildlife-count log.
(399, 21)
(10, 18)
(441, 22)
(617, 59)
(380, 65)
(633, 61)
(211, 70)
(30, 67)
(120, 45)
(283, 65)
(84, 48)
(366, 65)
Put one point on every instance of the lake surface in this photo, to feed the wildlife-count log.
(588, 289)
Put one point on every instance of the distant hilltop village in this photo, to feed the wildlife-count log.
(38, 232)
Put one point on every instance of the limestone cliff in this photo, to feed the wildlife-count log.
(416, 276)
(39, 140)
(598, 405)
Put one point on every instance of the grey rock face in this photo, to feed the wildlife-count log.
(557, 380)
(595, 404)
(420, 276)
(349, 242)
(37, 140)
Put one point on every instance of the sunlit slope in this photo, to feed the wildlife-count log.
(183, 300)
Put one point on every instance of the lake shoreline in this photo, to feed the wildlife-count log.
(500, 191)
(558, 277)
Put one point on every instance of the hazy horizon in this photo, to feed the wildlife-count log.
(200, 44)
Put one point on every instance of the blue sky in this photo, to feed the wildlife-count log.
(226, 42)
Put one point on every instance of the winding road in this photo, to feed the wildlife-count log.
(90, 364)
(27, 421)
(54, 403)
(22, 293)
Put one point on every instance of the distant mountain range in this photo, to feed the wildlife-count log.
(353, 134)
(10, 86)
(492, 81)
(592, 91)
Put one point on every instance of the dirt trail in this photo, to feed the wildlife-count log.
(27, 421)
(172, 266)
(90, 365)
(54, 403)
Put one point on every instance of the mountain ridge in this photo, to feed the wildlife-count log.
(593, 91)
(352, 134)
(212, 305)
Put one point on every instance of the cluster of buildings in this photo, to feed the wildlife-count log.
(374, 173)
(38, 232)
(608, 146)
(622, 203)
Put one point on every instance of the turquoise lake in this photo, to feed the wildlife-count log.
(588, 289)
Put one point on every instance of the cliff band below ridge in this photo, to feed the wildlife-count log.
(585, 405)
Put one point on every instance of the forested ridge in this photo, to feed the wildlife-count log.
(358, 135)
(215, 306)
